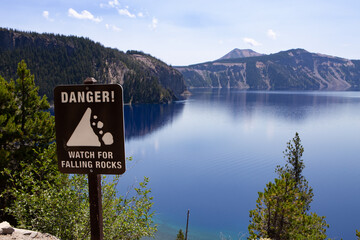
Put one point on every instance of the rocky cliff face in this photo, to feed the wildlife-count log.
(293, 69)
(169, 77)
(58, 59)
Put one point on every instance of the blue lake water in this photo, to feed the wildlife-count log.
(213, 152)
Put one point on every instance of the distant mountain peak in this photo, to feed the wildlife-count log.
(294, 69)
(240, 53)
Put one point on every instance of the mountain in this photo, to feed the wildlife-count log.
(240, 53)
(57, 59)
(295, 69)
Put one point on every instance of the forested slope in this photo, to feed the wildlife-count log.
(57, 59)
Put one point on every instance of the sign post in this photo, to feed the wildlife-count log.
(96, 218)
(90, 137)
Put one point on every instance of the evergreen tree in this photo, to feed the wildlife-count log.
(26, 128)
(56, 59)
(35, 195)
(180, 235)
(294, 166)
(281, 211)
(293, 154)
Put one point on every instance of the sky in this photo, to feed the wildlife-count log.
(184, 32)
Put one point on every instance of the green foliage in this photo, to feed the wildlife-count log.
(7, 117)
(128, 217)
(57, 59)
(293, 154)
(358, 234)
(180, 235)
(294, 166)
(61, 207)
(146, 88)
(279, 213)
(26, 128)
(56, 205)
(282, 209)
(35, 195)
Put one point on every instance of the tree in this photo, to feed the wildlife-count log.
(279, 213)
(282, 209)
(358, 235)
(129, 217)
(59, 59)
(35, 195)
(26, 128)
(180, 235)
(295, 164)
(61, 208)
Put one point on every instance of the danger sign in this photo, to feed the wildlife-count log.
(90, 128)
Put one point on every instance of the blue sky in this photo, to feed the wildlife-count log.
(193, 31)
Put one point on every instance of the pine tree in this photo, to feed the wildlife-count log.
(295, 164)
(35, 195)
(180, 235)
(26, 128)
(281, 211)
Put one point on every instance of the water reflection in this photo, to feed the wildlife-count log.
(222, 148)
(291, 106)
(144, 119)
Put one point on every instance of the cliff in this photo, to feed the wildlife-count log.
(295, 69)
(58, 59)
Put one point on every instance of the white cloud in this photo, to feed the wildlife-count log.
(154, 23)
(271, 34)
(86, 15)
(114, 3)
(122, 11)
(46, 15)
(126, 12)
(113, 27)
(110, 4)
(251, 42)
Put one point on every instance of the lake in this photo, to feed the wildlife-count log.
(214, 152)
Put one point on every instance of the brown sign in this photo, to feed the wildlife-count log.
(90, 128)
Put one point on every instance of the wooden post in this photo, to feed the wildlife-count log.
(187, 224)
(96, 218)
(94, 181)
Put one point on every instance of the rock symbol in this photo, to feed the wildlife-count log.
(84, 134)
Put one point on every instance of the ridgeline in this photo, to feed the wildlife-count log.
(295, 69)
(58, 59)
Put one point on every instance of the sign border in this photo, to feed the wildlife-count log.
(113, 107)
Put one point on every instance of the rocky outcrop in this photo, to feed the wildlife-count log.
(295, 69)
(169, 77)
(7, 232)
(58, 60)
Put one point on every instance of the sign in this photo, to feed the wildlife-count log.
(90, 128)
